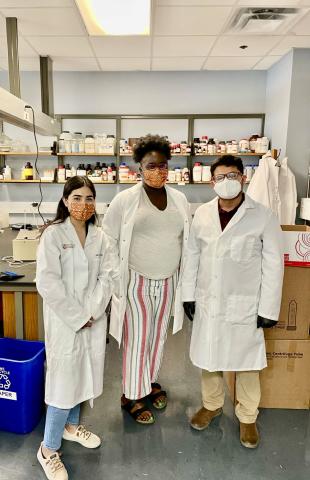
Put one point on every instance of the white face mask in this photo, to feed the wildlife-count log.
(228, 189)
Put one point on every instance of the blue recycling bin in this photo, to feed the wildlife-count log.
(21, 384)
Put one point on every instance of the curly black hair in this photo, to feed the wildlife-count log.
(151, 143)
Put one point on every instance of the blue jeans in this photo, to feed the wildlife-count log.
(56, 419)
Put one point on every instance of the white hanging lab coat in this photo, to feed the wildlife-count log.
(118, 223)
(75, 284)
(233, 275)
(275, 187)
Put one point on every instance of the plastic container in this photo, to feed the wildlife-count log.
(171, 176)
(211, 147)
(110, 174)
(110, 145)
(197, 172)
(89, 144)
(244, 145)
(7, 173)
(252, 141)
(178, 174)
(206, 173)
(21, 384)
(77, 142)
(123, 172)
(185, 174)
(61, 173)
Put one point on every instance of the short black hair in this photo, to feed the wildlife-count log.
(228, 161)
(151, 143)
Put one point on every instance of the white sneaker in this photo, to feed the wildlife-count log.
(82, 436)
(53, 467)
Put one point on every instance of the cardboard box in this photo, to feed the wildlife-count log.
(285, 383)
(296, 240)
(294, 319)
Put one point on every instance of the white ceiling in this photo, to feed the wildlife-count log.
(186, 35)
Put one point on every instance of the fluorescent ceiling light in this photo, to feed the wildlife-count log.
(116, 17)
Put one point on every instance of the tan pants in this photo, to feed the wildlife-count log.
(247, 393)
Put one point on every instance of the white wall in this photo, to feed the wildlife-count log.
(278, 88)
(288, 112)
(134, 93)
(298, 138)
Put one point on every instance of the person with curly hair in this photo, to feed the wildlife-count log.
(148, 225)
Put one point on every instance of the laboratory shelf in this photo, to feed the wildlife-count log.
(250, 154)
(25, 154)
(86, 154)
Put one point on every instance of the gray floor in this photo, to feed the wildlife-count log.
(170, 449)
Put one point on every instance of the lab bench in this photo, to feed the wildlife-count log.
(21, 305)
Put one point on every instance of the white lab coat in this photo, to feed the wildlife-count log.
(275, 187)
(118, 223)
(233, 276)
(75, 284)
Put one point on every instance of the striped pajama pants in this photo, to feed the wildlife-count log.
(148, 311)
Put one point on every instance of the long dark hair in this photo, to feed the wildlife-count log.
(73, 183)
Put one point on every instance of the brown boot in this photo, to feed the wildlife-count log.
(249, 436)
(204, 417)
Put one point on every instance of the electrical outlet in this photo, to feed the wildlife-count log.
(27, 114)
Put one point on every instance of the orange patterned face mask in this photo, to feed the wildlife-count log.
(82, 211)
(155, 178)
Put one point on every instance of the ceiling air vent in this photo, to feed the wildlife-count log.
(264, 20)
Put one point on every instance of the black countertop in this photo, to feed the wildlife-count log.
(28, 268)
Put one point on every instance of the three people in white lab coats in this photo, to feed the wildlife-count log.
(148, 225)
(232, 285)
(76, 272)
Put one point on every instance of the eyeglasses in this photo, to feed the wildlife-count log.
(154, 166)
(230, 176)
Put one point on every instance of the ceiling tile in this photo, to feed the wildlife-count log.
(62, 46)
(182, 46)
(121, 46)
(257, 46)
(47, 21)
(268, 3)
(289, 42)
(75, 64)
(267, 62)
(125, 64)
(35, 3)
(230, 63)
(191, 3)
(190, 20)
(302, 27)
(177, 63)
(24, 48)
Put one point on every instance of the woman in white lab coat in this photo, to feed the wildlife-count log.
(75, 277)
(149, 226)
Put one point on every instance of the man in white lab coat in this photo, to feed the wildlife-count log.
(232, 284)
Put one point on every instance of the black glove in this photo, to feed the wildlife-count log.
(265, 322)
(189, 308)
